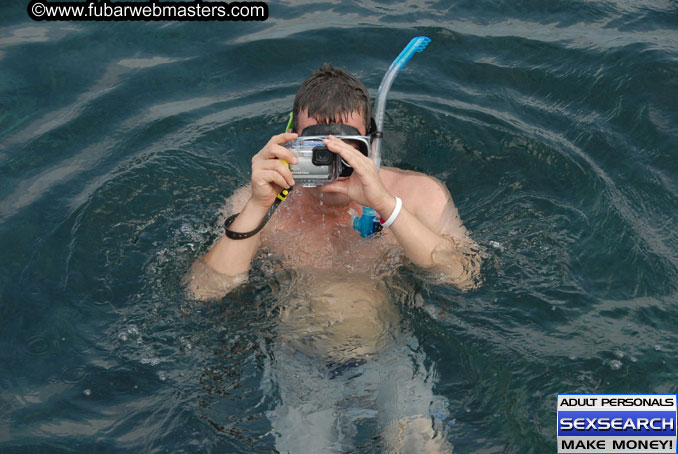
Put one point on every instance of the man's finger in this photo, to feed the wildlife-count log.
(278, 151)
(277, 166)
(274, 177)
(283, 137)
(337, 186)
(353, 157)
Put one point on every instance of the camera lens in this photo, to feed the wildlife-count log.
(322, 156)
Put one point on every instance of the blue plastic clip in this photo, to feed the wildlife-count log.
(367, 224)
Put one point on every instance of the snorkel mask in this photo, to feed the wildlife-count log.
(317, 165)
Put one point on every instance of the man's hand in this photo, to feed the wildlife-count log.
(269, 174)
(364, 186)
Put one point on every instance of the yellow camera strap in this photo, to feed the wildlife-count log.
(282, 195)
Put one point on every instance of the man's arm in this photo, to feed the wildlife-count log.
(211, 276)
(454, 257)
(428, 227)
(228, 261)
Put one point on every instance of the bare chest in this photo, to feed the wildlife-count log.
(326, 241)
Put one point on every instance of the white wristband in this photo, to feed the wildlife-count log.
(394, 215)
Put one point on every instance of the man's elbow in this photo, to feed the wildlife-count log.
(203, 283)
(458, 263)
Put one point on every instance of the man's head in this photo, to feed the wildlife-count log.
(332, 95)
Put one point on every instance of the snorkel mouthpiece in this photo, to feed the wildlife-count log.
(415, 45)
(368, 223)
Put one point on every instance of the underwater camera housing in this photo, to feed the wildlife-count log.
(317, 165)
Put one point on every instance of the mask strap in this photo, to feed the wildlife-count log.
(373, 132)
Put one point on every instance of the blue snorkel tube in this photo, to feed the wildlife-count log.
(417, 44)
(368, 223)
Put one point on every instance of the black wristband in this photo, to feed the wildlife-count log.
(238, 235)
(244, 235)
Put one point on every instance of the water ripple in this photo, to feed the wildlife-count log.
(38, 345)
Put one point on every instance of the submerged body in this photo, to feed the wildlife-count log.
(341, 353)
(340, 349)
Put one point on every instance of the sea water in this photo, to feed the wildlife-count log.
(553, 124)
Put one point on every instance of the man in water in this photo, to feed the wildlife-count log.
(337, 309)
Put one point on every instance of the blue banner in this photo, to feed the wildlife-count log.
(617, 423)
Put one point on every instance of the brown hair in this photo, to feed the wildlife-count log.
(330, 95)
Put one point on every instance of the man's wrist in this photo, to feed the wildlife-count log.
(394, 214)
(250, 217)
(386, 207)
(255, 206)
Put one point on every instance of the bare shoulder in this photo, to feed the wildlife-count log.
(420, 192)
(426, 197)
